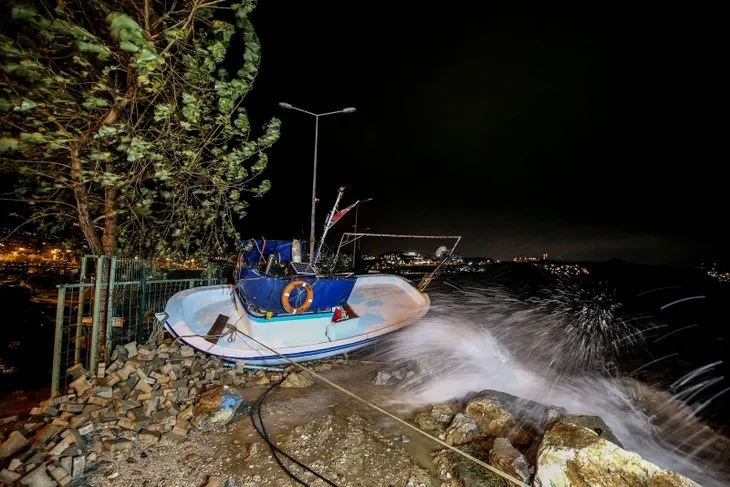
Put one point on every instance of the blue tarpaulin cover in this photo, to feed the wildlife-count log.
(264, 292)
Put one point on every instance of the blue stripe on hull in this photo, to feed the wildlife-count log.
(277, 360)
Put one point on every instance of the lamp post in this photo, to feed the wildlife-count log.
(354, 244)
(316, 116)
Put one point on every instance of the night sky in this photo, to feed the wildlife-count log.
(594, 135)
(589, 135)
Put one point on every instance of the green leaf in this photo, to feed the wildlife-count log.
(95, 102)
(34, 138)
(23, 12)
(8, 144)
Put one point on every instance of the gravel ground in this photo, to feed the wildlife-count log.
(334, 435)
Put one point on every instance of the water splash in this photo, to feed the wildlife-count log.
(560, 347)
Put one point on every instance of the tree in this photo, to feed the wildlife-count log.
(122, 118)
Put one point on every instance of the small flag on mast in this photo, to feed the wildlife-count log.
(336, 217)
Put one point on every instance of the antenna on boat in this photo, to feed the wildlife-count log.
(329, 222)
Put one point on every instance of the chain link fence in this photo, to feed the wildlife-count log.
(114, 303)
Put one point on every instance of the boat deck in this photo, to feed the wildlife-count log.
(383, 304)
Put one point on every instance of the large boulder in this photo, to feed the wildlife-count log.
(575, 455)
(216, 407)
(499, 414)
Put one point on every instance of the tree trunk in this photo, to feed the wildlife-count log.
(82, 203)
(109, 247)
(109, 239)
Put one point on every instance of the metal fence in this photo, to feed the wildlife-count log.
(114, 303)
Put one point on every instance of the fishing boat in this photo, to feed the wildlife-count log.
(283, 308)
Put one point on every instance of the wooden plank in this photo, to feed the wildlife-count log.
(214, 334)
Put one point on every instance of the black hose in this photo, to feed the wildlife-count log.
(256, 413)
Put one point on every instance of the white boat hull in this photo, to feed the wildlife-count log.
(383, 304)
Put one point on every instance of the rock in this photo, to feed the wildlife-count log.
(383, 378)
(186, 351)
(80, 385)
(216, 407)
(240, 366)
(78, 466)
(131, 349)
(214, 481)
(574, 455)
(76, 371)
(59, 474)
(594, 423)
(435, 418)
(8, 420)
(148, 436)
(298, 379)
(509, 460)
(8, 477)
(38, 478)
(461, 430)
(499, 414)
(14, 464)
(117, 445)
(12, 445)
(462, 472)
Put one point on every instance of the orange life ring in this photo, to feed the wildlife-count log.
(287, 291)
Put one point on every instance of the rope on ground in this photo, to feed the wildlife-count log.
(479, 462)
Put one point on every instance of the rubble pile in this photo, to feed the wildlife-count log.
(144, 396)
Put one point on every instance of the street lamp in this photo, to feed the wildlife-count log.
(354, 244)
(316, 116)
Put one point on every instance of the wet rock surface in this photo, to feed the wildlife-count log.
(575, 455)
(461, 430)
(501, 414)
(509, 460)
(436, 418)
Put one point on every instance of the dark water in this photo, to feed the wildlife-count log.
(26, 340)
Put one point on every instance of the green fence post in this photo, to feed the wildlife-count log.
(96, 312)
(109, 314)
(142, 300)
(80, 312)
(58, 342)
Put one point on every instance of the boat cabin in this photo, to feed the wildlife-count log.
(273, 278)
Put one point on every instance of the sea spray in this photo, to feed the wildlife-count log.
(559, 346)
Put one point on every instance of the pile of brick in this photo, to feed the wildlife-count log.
(145, 395)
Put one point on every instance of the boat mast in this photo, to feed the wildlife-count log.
(328, 223)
